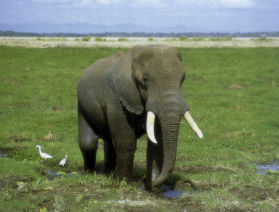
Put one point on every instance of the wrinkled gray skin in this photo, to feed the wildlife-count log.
(114, 96)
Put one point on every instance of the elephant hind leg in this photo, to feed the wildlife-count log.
(88, 143)
(110, 156)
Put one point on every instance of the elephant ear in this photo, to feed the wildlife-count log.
(125, 87)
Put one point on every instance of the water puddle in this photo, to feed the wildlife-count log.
(169, 192)
(3, 154)
(264, 168)
(52, 174)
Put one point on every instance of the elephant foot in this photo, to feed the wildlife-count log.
(109, 169)
(89, 168)
(124, 176)
(147, 184)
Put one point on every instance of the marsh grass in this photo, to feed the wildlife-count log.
(122, 39)
(232, 94)
(262, 39)
(52, 39)
(229, 38)
(183, 38)
(198, 39)
(99, 39)
(86, 38)
(171, 39)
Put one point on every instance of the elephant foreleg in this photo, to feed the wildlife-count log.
(88, 143)
(124, 142)
(124, 165)
(125, 146)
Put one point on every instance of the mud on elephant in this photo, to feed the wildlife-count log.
(126, 95)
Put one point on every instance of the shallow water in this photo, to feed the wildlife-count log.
(3, 154)
(52, 174)
(169, 192)
(263, 167)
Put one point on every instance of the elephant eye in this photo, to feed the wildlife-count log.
(145, 79)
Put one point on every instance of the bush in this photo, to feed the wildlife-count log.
(199, 39)
(150, 39)
(183, 38)
(122, 39)
(229, 38)
(98, 39)
(86, 38)
(262, 39)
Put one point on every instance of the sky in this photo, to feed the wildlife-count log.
(191, 15)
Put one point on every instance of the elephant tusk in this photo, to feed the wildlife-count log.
(150, 121)
(193, 124)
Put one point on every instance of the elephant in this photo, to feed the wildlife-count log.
(125, 95)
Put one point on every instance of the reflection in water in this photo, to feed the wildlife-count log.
(262, 168)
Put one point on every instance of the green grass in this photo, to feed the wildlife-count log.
(232, 93)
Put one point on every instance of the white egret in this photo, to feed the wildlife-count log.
(63, 161)
(42, 154)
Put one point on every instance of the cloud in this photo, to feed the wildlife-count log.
(159, 3)
(217, 3)
(106, 2)
(236, 3)
(51, 1)
(84, 2)
(152, 2)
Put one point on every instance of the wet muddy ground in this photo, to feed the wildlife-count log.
(173, 192)
(165, 191)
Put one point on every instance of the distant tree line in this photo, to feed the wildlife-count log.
(139, 34)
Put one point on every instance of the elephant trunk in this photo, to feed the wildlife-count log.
(169, 137)
(168, 118)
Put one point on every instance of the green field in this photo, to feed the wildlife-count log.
(232, 93)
